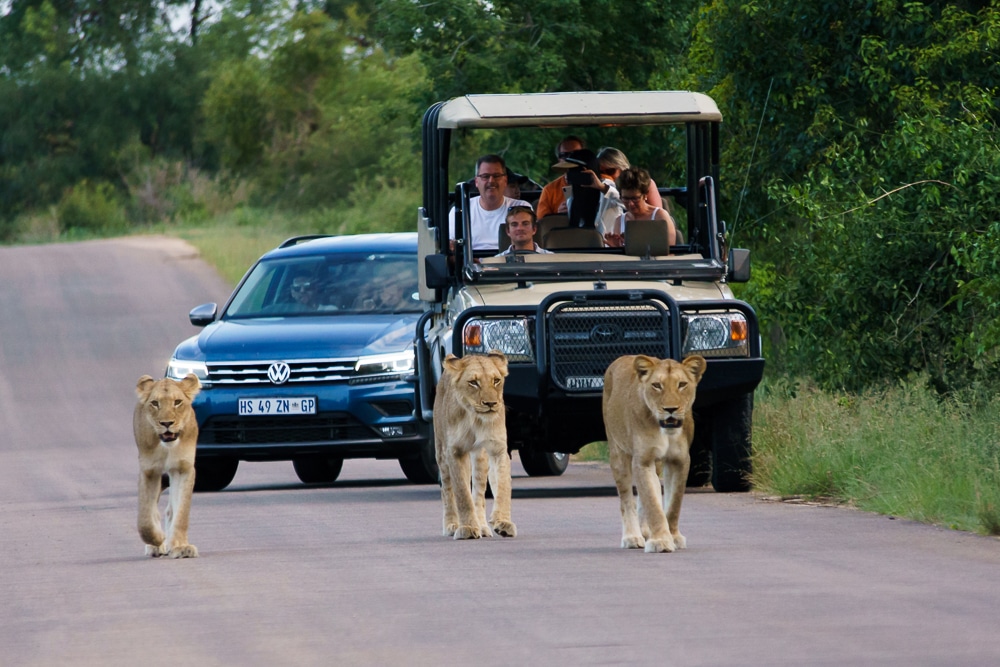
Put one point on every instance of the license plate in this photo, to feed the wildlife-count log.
(585, 382)
(295, 405)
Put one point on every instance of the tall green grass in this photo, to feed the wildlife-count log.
(903, 451)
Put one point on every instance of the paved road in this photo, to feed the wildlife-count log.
(356, 573)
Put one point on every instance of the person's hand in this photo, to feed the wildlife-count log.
(614, 240)
(562, 207)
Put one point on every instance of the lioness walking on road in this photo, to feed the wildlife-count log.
(647, 416)
(470, 435)
(166, 433)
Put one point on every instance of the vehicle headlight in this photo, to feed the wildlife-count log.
(177, 369)
(716, 335)
(509, 335)
(398, 363)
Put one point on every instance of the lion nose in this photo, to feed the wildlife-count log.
(490, 404)
(166, 425)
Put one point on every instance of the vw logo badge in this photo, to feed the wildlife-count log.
(278, 372)
(604, 333)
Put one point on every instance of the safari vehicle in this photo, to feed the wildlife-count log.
(562, 318)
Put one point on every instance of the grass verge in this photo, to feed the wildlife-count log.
(902, 451)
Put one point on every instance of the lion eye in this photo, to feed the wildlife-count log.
(474, 383)
(682, 385)
(155, 404)
(177, 402)
(658, 386)
(496, 382)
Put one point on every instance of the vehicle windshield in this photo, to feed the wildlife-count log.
(328, 285)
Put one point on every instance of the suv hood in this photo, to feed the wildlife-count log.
(341, 336)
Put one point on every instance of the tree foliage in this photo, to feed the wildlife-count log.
(869, 159)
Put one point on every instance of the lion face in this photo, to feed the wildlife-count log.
(478, 381)
(668, 387)
(166, 405)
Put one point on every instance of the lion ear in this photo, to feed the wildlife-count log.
(501, 360)
(452, 363)
(643, 365)
(144, 386)
(190, 385)
(697, 365)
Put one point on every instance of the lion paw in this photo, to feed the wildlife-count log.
(184, 551)
(155, 551)
(661, 545)
(680, 541)
(633, 542)
(449, 529)
(467, 533)
(505, 528)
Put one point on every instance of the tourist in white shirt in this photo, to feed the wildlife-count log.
(488, 211)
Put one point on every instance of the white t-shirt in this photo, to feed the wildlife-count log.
(484, 224)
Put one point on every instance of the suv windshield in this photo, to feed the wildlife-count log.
(328, 285)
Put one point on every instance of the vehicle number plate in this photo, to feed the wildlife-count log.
(293, 405)
(585, 382)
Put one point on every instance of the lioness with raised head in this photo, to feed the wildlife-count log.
(166, 433)
(647, 417)
(470, 437)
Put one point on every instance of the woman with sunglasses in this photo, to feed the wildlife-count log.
(633, 186)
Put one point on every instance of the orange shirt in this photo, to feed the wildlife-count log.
(551, 198)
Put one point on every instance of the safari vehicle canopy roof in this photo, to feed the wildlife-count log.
(584, 108)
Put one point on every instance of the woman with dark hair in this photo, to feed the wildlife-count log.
(633, 186)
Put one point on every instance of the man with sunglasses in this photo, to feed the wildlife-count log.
(488, 211)
(521, 228)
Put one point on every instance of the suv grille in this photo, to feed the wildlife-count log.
(301, 370)
(584, 339)
(328, 427)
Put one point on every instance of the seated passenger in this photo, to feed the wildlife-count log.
(633, 185)
(553, 197)
(487, 211)
(390, 292)
(521, 228)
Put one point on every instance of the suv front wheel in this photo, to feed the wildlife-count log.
(215, 473)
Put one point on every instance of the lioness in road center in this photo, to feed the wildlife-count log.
(166, 433)
(647, 416)
(469, 427)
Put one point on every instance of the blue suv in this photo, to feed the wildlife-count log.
(311, 360)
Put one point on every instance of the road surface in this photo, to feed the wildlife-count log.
(357, 573)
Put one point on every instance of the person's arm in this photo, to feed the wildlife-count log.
(653, 195)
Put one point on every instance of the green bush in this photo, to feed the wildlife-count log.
(91, 208)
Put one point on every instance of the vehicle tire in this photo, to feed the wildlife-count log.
(318, 469)
(215, 473)
(543, 464)
(422, 468)
(731, 426)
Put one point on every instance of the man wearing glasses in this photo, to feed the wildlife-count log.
(521, 227)
(488, 211)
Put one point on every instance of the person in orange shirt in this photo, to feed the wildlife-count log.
(553, 197)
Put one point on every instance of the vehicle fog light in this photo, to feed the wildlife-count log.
(392, 431)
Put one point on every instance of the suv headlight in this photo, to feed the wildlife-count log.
(177, 369)
(509, 335)
(716, 335)
(398, 363)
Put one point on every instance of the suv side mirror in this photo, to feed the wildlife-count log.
(739, 265)
(203, 315)
(436, 271)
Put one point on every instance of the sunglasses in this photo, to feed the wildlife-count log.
(490, 177)
(298, 287)
(632, 200)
